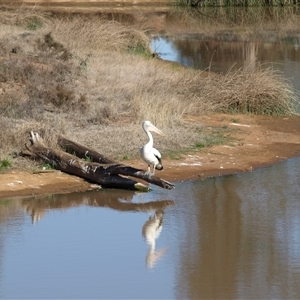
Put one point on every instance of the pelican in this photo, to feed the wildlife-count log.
(150, 155)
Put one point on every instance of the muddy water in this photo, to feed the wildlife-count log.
(223, 57)
(233, 237)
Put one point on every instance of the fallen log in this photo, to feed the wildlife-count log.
(108, 174)
(83, 152)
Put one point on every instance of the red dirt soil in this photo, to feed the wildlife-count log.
(259, 141)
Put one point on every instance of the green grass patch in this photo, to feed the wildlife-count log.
(139, 49)
(5, 164)
(34, 24)
(47, 167)
(215, 136)
(88, 159)
(210, 136)
(211, 140)
(178, 154)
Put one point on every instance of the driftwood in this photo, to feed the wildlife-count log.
(83, 152)
(97, 168)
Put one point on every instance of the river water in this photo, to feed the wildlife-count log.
(230, 237)
(224, 57)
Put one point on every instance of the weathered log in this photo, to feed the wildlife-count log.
(83, 152)
(107, 175)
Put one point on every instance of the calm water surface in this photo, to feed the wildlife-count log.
(227, 237)
(223, 57)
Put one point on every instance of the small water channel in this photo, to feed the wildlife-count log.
(223, 57)
(233, 237)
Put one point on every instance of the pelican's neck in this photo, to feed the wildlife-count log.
(150, 137)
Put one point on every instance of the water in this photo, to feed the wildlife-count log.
(234, 237)
(223, 57)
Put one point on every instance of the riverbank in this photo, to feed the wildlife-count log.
(256, 141)
(94, 80)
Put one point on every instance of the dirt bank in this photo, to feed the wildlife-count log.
(258, 141)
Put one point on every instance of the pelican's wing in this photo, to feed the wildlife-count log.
(156, 153)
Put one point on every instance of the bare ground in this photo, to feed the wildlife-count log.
(259, 141)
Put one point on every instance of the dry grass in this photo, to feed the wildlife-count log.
(99, 35)
(259, 91)
(77, 75)
(239, 3)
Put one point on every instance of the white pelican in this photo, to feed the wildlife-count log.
(150, 155)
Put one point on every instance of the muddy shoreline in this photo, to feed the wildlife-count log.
(260, 141)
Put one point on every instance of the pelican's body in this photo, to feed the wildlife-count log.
(150, 155)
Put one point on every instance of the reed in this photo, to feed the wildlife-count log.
(238, 23)
(235, 3)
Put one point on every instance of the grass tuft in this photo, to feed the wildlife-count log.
(5, 164)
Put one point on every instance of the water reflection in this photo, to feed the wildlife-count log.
(248, 245)
(118, 200)
(219, 225)
(151, 231)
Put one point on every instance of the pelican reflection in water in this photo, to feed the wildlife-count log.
(151, 231)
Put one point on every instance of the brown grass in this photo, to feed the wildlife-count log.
(77, 76)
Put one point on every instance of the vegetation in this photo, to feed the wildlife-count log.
(245, 3)
(215, 136)
(268, 24)
(4, 164)
(47, 167)
(79, 75)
